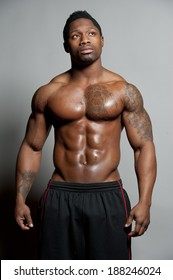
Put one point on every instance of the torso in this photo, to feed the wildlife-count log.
(87, 123)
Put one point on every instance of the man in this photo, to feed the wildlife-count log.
(85, 212)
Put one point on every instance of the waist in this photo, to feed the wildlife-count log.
(85, 187)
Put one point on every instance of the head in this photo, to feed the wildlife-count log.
(82, 31)
(77, 15)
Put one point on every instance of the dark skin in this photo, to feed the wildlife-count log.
(88, 106)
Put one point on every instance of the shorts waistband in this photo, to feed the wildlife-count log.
(85, 187)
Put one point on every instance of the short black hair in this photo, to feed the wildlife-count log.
(76, 15)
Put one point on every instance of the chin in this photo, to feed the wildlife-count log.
(87, 60)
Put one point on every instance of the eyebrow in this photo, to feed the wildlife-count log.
(90, 28)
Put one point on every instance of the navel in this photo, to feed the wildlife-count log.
(83, 160)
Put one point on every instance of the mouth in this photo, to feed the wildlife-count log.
(86, 50)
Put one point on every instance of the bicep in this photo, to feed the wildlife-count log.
(135, 119)
(138, 127)
(39, 124)
(37, 130)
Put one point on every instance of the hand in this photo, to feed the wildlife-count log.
(141, 215)
(23, 216)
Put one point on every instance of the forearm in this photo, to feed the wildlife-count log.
(27, 166)
(145, 166)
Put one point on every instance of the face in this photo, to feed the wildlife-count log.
(84, 42)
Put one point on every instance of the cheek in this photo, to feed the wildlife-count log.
(99, 48)
(73, 48)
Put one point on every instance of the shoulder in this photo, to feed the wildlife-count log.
(129, 94)
(61, 78)
(132, 97)
(111, 77)
(116, 82)
(128, 90)
(40, 97)
(43, 93)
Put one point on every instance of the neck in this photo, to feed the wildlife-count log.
(87, 74)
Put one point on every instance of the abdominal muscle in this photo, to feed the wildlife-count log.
(87, 154)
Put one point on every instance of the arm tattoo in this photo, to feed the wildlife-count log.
(25, 186)
(142, 124)
(136, 114)
(133, 98)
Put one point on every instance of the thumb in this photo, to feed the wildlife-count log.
(29, 221)
(129, 221)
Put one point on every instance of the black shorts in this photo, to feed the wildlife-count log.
(84, 221)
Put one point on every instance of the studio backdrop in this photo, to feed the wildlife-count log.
(138, 46)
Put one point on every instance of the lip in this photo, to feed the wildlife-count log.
(86, 50)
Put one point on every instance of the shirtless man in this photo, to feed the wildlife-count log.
(85, 212)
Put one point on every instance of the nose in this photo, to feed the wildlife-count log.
(84, 40)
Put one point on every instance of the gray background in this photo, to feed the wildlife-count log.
(138, 46)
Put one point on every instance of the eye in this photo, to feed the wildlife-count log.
(75, 36)
(92, 33)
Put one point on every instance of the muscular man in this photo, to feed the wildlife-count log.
(85, 211)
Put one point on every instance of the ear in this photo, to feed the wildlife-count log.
(66, 48)
(102, 41)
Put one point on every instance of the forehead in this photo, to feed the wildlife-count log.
(81, 23)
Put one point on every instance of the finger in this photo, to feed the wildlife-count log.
(129, 221)
(135, 231)
(21, 223)
(29, 222)
(143, 229)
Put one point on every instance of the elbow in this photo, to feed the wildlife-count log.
(36, 148)
(32, 146)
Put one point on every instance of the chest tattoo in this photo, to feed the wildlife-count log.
(99, 101)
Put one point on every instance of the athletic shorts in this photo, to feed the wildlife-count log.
(84, 221)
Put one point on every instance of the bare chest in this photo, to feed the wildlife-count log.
(97, 102)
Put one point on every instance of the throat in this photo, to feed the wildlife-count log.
(87, 75)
